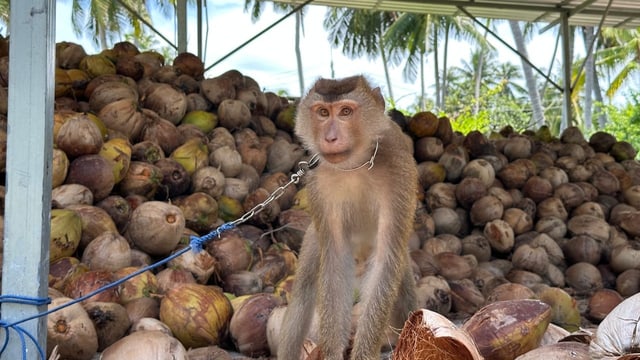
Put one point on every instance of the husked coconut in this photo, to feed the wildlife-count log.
(486, 209)
(167, 102)
(517, 147)
(454, 159)
(156, 227)
(234, 114)
(584, 278)
(589, 225)
(480, 169)
(441, 195)
(71, 330)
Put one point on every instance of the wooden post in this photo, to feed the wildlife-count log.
(29, 149)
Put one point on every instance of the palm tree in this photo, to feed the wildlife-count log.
(409, 33)
(483, 52)
(620, 54)
(500, 100)
(361, 32)
(532, 85)
(585, 84)
(4, 13)
(590, 76)
(255, 7)
(419, 34)
(509, 74)
(105, 20)
(481, 73)
(460, 27)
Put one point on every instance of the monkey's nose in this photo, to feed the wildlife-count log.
(330, 139)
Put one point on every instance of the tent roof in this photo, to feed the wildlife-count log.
(616, 13)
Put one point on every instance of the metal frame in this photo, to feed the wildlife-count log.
(623, 13)
(618, 13)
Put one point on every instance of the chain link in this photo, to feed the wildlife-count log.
(303, 167)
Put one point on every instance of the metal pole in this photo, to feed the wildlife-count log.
(566, 68)
(182, 25)
(29, 148)
(199, 23)
(148, 24)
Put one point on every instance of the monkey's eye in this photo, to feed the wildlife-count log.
(323, 112)
(346, 111)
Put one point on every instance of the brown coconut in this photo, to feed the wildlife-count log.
(156, 227)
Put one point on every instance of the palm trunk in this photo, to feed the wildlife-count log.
(602, 118)
(589, 77)
(102, 37)
(597, 93)
(298, 54)
(423, 100)
(423, 92)
(477, 77)
(532, 86)
(385, 65)
(442, 95)
(436, 63)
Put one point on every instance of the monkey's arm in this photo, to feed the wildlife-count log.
(389, 275)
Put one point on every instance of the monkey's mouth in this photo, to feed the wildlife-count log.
(335, 157)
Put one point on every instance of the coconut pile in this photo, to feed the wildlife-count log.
(525, 244)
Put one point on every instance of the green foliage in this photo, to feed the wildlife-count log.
(467, 122)
(283, 92)
(148, 42)
(624, 122)
(495, 111)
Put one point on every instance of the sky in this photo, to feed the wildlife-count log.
(271, 59)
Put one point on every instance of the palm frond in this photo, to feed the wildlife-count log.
(358, 31)
(620, 78)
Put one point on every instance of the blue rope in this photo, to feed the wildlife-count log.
(196, 243)
(19, 299)
(21, 332)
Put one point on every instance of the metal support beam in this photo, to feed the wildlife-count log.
(293, 11)
(181, 14)
(576, 10)
(29, 149)
(148, 24)
(566, 71)
(514, 50)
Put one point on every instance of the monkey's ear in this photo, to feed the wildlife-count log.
(377, 95)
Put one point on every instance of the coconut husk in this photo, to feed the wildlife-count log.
(429, 335)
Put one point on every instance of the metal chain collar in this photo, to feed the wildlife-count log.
(303, 167)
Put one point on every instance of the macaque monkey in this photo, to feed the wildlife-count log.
(362, 198)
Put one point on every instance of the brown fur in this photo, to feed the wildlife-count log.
(362, 220)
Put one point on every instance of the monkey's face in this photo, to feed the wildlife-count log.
(337, 128)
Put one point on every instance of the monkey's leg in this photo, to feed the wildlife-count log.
(335, 299)
(380, 291)
(406, 301)
(299, 314)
